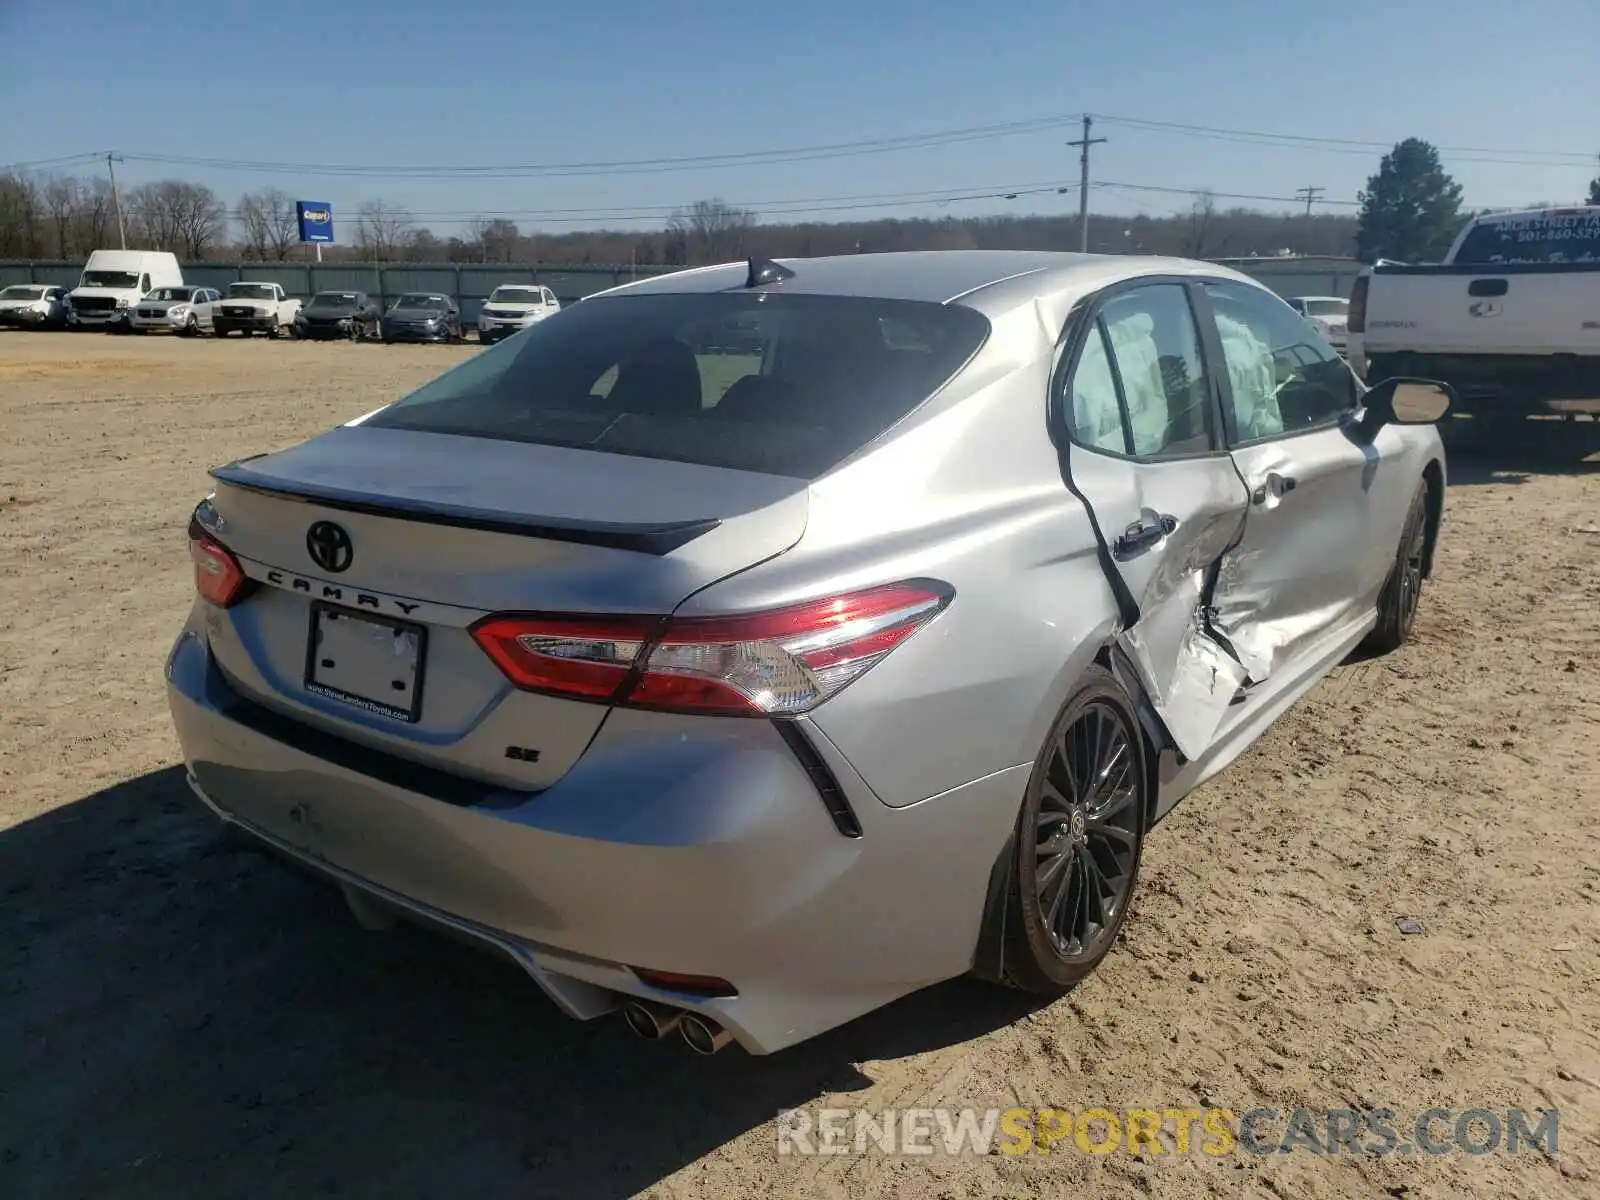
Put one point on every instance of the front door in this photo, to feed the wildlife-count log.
(1310, 564)
(1138, 406)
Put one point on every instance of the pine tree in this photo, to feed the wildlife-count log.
(1410, 210)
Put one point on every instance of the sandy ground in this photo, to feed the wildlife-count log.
(180, 1016)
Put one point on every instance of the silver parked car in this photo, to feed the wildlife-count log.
(182, 310)
(751, 646)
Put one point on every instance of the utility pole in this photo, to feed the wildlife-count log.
(116, 198)
(1308, 194)
(1083, 181)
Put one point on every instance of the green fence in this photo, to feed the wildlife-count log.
(469, 283)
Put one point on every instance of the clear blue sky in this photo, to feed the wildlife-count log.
(405, 83)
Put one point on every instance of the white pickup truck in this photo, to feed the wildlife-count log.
(1511, 318)
(253, 308)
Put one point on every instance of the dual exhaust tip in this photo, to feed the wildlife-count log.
(655, 1021)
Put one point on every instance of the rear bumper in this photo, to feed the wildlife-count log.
(674, 843)
(1514, 385)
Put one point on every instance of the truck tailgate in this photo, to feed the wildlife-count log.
(1509, 309)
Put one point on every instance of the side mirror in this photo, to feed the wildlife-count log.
(1402, 401)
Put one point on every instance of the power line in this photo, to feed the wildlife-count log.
(629, 166)
(932, 139)
(1192, 191)
(1350, 145)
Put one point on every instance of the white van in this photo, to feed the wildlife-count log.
(114, 281)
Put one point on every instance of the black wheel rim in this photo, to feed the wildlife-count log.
(1411, 570)
(1087, 836)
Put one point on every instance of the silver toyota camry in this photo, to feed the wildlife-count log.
(751, 646)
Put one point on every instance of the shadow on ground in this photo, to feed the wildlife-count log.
(1539, 448)
(182, 1015)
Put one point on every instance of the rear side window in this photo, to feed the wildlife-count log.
(782, 384)
(1541, 238)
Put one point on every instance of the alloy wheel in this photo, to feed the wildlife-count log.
(1087, 836)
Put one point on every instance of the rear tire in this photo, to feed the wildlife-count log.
(1402, 591)
(1079, 840)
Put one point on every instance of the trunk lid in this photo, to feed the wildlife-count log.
(433, 532)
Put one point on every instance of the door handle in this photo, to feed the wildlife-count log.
(1143, 533)
(1272, 487)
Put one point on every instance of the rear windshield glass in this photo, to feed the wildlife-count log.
(1544, 238)
(787, 385)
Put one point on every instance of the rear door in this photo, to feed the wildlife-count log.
(1317, 545)
(1139, 407)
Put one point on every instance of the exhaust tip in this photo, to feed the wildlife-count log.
(650, 1021)
(702, 1035)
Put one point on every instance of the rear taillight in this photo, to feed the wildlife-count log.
(1356, 318)
(776, 663)
(218, 577)
(569, 656)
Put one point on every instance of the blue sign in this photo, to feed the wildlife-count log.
(316, 220)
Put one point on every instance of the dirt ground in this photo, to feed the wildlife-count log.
(180, 1016)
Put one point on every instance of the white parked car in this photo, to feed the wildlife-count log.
(1328, 315)
(185, 310)
(249, 307)
(114, 281)
(33, 306)
(515, 306)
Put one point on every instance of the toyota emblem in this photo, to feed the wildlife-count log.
(329, 546)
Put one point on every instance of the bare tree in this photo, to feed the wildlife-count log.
(711, 230)
(21, 217)
(1199, 232)
(381, 229)
(270, 225)
(171, 214)
(62, 196)
(201, 219)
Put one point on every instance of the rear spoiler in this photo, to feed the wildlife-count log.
(656, 539)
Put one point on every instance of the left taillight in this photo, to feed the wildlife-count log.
(781, 662)
(218, 577)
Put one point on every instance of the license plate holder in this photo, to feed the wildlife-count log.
(372, 662)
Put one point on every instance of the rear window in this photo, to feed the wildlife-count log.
(1544, 238)
(787, 385)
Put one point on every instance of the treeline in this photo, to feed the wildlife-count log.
(65, 217)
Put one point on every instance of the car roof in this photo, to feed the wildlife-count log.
(937, 276)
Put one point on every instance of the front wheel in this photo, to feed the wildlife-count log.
(1079, 840)
(1402, 591)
